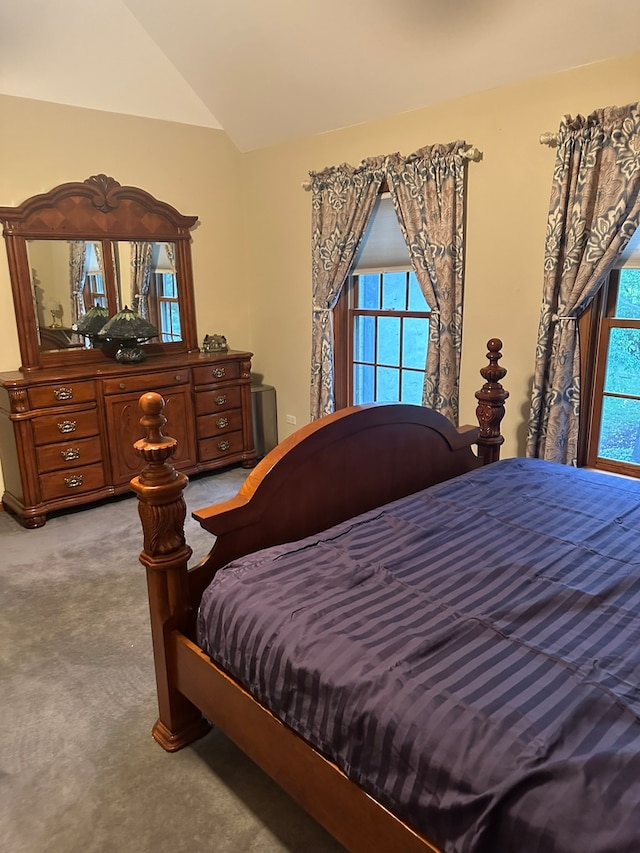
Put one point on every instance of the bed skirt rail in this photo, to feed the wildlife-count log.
(360, 823)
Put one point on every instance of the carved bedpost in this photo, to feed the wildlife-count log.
(490, 409)
(165, 556)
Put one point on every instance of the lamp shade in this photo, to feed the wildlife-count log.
(127, 325)
(128, 329)
(93, 321)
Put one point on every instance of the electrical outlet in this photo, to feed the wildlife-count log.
(291, 419)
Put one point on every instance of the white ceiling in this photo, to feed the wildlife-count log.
(269, 71)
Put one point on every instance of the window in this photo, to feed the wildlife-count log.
(93, 290)
(160, 303)
(612, 434)
(381, 320)
(164, 307)
(387, 326)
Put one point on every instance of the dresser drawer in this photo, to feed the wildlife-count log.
(146, 382)
(208, 402)
(220, 446)
(71, 481)
(67, 425)
(61, 393)
(218, 372)
(219, 423)
(54, 457)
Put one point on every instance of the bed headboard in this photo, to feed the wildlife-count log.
(329, 470)
(337, 467)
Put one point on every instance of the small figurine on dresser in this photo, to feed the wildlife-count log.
(214, 343)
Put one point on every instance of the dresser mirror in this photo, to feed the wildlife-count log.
(97, 243)
(68, 277)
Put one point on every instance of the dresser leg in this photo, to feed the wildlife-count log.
(33, 521)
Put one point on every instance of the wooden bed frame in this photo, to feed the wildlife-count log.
(328, 471)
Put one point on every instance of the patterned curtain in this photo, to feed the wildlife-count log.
(594, 211)
(77, 275)
(171, 256)
(343, 198)
(427, 189)
(141, 261)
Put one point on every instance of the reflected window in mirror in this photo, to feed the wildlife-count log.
(154, 287)
(93, 289)
(164, 306)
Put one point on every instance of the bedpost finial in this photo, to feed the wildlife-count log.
(159, 487)
(490, 409)
(493, 373)
(155, 448)
(152, 407)
(151, 402)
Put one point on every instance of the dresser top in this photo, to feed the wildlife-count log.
(110, 368)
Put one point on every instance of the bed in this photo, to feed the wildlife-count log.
(427, 652)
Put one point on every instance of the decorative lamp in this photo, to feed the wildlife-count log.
(128, 330)
(91, 323)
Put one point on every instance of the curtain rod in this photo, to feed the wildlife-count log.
(472, 153)
(550, 139)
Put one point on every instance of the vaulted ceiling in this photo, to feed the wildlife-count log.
(269, 71)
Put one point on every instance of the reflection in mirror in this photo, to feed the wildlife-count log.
(87, 277)
(67, 278)
(72, 248)
(153, 284)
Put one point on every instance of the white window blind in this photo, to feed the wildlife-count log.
(382, 247)
(630, 257)
(160, 259)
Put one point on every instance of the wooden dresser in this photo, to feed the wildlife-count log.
(69, 416)
(66, 435)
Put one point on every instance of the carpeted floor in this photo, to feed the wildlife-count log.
(79, 770)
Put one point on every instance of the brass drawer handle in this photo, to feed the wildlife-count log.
(219, 372)
(63, 393)
(74, 481)
(122, 386)
(221, 423)
(224, 445)
(178, 377)
(67, 426)
(70, 453)
(221, 399)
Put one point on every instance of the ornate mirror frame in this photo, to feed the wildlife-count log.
(97, 209)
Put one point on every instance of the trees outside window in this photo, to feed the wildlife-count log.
(611, 439)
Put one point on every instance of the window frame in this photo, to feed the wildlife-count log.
(344, 315)
(156, 298)
(595, 327)
(94, 291)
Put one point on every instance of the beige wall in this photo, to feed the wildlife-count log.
(251, 249)
(508, 198)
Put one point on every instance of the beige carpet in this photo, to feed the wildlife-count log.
(79, 771)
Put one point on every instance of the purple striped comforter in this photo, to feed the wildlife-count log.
(469, 655)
